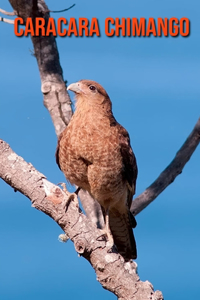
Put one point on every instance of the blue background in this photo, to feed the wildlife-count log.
(154, 86)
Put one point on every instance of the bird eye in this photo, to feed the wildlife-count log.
(92, 88)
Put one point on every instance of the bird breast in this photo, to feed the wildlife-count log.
(92, 156)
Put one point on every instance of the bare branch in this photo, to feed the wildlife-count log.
(56, 97)
(58, 11)
(170, 173)
(112, 272)
(5, 20)
(13, 13)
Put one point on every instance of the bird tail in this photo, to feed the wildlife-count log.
(121, 228)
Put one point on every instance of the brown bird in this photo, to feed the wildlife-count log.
(94, 153)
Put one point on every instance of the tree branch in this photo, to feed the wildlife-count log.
(53, 86)
(170, 173)
(5, 20)
(62, 10)
(13, 13)
(112, 272)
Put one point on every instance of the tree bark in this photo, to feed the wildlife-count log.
(112, 272)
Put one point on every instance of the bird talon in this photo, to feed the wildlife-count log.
(110, 250)
(102, 237)
(107, 237)
(70, 197)
(74, 197)
(64, 188)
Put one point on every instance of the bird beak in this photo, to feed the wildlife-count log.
(75, 87)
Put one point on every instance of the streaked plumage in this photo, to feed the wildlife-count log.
(94, 153)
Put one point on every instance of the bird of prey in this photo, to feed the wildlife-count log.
(94, 154)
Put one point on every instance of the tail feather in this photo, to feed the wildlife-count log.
(133, 220)
(121, 228)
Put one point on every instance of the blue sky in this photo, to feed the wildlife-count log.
(154, 86)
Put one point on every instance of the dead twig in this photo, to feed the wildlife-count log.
(13, 13)
(5, 20)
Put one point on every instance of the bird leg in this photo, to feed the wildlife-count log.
(70, 196)
(106, 230)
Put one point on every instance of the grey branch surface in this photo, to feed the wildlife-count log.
(114, 275)
(112, 272)
(7, 13)
(5, 20)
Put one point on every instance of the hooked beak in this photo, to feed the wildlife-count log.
(75, 87)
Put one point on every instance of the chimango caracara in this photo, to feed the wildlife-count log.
(94, 153)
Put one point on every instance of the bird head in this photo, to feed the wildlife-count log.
(89, 92)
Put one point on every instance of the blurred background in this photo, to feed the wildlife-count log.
(153, 83)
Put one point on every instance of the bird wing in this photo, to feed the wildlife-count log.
(121, 220)
(130, 170)
(57, 150)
